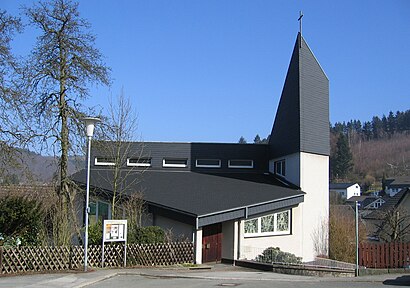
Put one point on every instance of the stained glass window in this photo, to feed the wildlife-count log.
(251, 226)
(272, 224)
(282, 222)
(268, 223)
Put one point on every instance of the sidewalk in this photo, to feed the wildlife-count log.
(63, 280)
(218, 271)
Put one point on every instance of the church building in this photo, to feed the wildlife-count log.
(235, 200)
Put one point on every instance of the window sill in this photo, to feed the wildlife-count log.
(267, 234)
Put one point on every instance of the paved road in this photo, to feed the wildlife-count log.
(151, 282)
(218, 276)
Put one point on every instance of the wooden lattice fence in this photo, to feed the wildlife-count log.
(39, 259)
(160, 254)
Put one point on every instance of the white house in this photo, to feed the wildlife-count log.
(395, 185)
(346, 190)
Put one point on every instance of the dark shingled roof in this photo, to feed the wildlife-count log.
(302, 118)
(357, 198)
(391, 203)
(394, 201)
(340, 185)
(364, 200)
(398, 182)
(199, 194)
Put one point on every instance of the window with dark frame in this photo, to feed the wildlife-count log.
(208, 163)
(104, 161)
(280, 167)
(240, 163)
(139, 162)
(175, 162)
(99, 211)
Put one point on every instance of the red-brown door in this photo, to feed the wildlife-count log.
(212, 243)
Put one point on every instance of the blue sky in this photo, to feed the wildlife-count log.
(212, 71)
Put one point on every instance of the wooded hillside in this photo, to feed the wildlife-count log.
(379, 148)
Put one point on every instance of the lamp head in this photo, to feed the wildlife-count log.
(90, 124)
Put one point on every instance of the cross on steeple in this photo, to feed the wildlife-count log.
(300, 21)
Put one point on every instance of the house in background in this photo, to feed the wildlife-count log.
(367, 204)
(235, 200)
(345, 190)
(372, 202)
(391, 222)
(392, 186)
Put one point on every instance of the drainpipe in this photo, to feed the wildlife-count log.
(239, 240)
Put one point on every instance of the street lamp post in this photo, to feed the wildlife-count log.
(90, 124)
(357, 236)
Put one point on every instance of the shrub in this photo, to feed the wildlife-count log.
(21, 221)
(146, 235)
(9, 241)
(95, 233)
(274, 255)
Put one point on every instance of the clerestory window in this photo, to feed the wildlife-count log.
(139, 162)
(175, 162)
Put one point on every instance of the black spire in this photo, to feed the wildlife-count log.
(302, 118)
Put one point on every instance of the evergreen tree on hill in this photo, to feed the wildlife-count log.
(342, 161)
(242, 140)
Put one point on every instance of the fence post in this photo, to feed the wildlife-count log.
(378, 257)
(1, 260)
(361, 254)
(69, 258)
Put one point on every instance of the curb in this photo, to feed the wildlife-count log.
(96, 280)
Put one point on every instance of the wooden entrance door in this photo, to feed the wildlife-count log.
(212, 243)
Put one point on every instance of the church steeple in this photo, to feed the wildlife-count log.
(302, 118)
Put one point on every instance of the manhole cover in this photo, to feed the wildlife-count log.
(228, 284)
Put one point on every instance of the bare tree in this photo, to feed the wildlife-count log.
(62, 65)
(320, 237)
(133, 210)
(9, 68)
(12, 125)
(118, 130)
(394, 225)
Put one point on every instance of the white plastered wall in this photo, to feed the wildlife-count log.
(198, 246)
(353, 190)
(314, 180)
(250, 247)
(311, 173)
